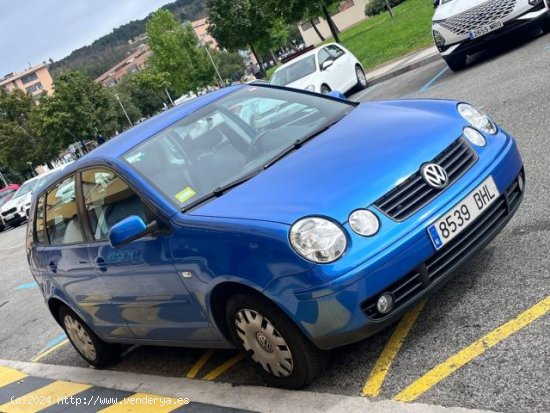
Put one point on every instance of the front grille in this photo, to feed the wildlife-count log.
(411, 195)
(448, 258)
(9, 211)
(479, 16)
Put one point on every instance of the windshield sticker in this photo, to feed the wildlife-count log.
(185, 195)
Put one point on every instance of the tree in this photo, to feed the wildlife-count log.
(242, 24)
(147, 90)
(78, 111)
(19, 145)
(176, 53)
(228, 63)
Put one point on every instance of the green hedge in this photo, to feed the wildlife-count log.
(375, 7)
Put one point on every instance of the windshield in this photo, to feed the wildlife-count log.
(294, 71)
(6, 195)
(26, 188)
(230, 139)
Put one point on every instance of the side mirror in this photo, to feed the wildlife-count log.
(129, 230)
(436, 3)
(326, 64)
(337, 94)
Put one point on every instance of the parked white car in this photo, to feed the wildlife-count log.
(464, 27)
(327, 68)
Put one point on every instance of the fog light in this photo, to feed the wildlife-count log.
(364, 222)
(385, 303)
(535, 2)
(474, 136)
(438, 39)
(521, 182)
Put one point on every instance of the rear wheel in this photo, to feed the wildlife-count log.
(90, 347)
(456, 62)
(362, 82)
(280, 351)
(325, 89)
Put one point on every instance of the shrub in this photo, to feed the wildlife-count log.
(375, 7)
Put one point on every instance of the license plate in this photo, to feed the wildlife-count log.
(463, 214)
(483, 30)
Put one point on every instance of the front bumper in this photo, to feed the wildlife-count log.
(412, 273)
(469, 47)
(14, 219)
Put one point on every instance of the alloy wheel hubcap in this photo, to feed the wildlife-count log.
(361, 77)
(264, 343)
(79, 337)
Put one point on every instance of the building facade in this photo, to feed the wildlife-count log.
(350, 13)
(135, 62)
(35, 81)
(201, 30)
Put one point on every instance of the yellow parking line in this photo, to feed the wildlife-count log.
(192, 373)
(381, 368)
(445, 369)
(218, 371)
(43, 354)
(44, 397)
(8, 376)
(145, 403)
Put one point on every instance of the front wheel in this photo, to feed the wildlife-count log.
(362, 82)
(280, 351)
(90, 347)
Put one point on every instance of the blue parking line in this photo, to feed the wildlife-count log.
(433, 79)
(547, 47)
(55, 341)
(26, 286)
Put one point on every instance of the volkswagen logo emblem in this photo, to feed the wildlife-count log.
(264, 342)
(434, 175)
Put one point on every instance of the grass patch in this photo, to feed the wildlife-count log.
(380, 39)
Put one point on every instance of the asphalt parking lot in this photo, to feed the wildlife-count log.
(509, 370)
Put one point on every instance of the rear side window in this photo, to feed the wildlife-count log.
(62, 222)
(108, 200)
(39, 230)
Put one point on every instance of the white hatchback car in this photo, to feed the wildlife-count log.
(324, 69)
(463, 27)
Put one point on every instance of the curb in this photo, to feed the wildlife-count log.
(252, 398)
(402, 70)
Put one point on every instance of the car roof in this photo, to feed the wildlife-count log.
(305, 55)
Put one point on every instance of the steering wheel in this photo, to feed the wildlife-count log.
(254, 148)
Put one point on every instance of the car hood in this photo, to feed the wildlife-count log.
(454, 7)
(17, 202)
(347, 167)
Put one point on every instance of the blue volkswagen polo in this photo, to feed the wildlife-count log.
(281, 222)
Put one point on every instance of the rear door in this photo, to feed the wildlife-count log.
(147, 294)
(65, 252)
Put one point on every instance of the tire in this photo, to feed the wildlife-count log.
(90, 347)
(325, 89)
(546, 26)
(456, 63)
(273, 343)
(362, 82)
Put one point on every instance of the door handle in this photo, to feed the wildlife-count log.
(53, 267)
(101, 264)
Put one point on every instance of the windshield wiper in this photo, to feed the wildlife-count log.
(297, 144)
(219, 191)
(216, 193)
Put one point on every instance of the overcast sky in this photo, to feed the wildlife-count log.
(32, 31)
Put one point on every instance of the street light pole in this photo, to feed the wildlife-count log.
(203, 43)
(390, 9)
(123, 109)
(3, 179)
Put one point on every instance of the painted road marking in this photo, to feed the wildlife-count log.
(26, 286)
(452, 364)
(382, 366)
(145, 403)
(434, 79)
(366, 92)
(218, 371)
(547, 47)
(50, 350)
(8, 376)
(192, 373)
(44, 397)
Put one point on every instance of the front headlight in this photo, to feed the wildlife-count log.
(477, 118)
(318, 240)
(310, 88)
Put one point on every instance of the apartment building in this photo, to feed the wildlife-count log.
(34, 81)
